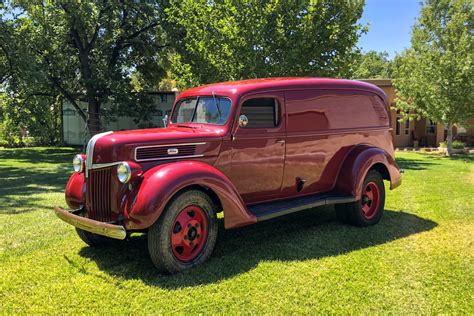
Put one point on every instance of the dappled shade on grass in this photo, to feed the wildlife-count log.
(310, 234)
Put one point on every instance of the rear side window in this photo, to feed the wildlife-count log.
(261, 112)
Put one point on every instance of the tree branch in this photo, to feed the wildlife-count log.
(91, 43)
(69, 97)
(142, 30)
(10, 62)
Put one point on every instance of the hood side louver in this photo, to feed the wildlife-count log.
(165, 152)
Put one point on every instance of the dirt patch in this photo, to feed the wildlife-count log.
(470, 177)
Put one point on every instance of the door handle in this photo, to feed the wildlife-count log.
(281, 141)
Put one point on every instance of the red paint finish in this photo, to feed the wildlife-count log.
(145, 204)
(356, 165)
(75, 191)
(255, 151)
(370, 200)
(189, 233)
(330, 133)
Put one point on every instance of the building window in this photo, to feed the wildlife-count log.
(407, 127)
(430, 127)
(69, 112)
(398, 123)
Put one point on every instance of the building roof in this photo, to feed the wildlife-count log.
(256, 85)
(379, 82)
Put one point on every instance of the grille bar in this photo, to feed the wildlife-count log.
(98, 194)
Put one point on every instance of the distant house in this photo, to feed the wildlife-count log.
(74, 128)
(425, 131)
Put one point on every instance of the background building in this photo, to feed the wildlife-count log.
(74, 127)
(424, 131)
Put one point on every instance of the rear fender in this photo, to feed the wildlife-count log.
(161, 183)
(356, 165)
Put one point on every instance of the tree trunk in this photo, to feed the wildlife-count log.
(93, 118)
(449, 140)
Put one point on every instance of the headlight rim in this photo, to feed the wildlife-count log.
(80, 165)
(128, 174)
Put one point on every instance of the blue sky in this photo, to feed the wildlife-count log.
(390, 25)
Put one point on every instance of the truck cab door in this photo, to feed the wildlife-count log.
(258, 147)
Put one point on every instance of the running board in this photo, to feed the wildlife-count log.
(270, 210)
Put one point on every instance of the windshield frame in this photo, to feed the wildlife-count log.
(197, 97)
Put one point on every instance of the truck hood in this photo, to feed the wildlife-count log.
(118, 146)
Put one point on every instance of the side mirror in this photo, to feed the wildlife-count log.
(243, 120)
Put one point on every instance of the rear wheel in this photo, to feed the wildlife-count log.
(95, 240)
(185, 234)
(369, 209)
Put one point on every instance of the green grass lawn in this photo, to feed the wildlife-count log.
(418, 259)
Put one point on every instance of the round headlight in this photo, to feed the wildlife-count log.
(78, 163)
(124, 173)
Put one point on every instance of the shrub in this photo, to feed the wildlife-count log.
(456, 145)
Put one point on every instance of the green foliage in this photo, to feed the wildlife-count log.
(456, 144)
(30, 120)
(228, 40)
(372, 65)
(85, 51)
(435, 77)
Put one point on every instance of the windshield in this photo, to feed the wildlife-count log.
(207, 110)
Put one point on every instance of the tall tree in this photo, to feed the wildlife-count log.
(435, 77)
(87, 51)
(372, 65)
(223, 40)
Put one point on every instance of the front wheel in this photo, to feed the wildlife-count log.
(369, 209)
(185, 234)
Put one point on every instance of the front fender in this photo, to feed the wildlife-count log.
(75, 191)
(162, 182)
(356, 165)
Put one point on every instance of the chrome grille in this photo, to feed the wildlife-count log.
(98, 194)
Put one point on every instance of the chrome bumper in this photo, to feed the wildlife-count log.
(99, 228)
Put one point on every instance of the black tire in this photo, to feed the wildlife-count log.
(95, 240)
(198, 207)
(361, 213)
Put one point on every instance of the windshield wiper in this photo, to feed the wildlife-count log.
(217, 104)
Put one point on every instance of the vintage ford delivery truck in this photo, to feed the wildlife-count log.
(252, 149)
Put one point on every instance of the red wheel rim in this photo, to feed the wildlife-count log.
(189, 233)
(370, 200)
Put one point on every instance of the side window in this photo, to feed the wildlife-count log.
(261, 112)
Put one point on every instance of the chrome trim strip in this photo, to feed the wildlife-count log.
(172, 157)
(104, 165)
(168, 145)
(90, 150)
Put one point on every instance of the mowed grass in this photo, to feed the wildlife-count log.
(418, 259)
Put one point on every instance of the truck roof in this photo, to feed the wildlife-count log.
(284, 83)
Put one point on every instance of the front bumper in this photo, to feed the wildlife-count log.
(92, 226)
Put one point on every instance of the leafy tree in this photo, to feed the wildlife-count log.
(227, 39)
(435, 77)
(372, 65)
(86, 51)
